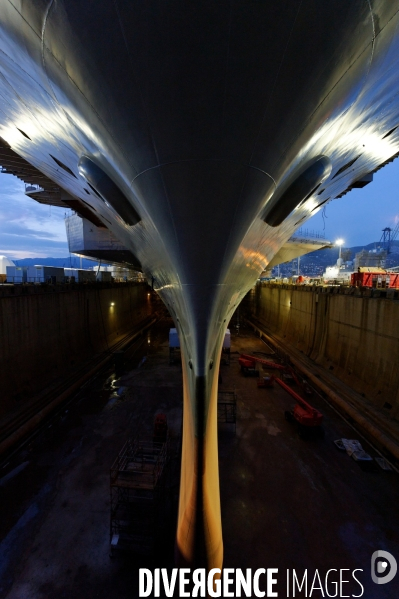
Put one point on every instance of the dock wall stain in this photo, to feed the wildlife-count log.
(354, 336)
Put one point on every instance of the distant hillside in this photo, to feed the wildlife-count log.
(68, 262)
(372, 246)
(329, 256)
(315, 263)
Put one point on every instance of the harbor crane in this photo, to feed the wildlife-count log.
(388, 237)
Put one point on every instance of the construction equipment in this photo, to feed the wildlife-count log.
(248, 363)
(306, 415)
(266, 382)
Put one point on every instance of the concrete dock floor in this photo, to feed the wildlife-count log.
(287, 502)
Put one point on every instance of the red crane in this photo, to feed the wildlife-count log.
(305, 414)
(246, 361)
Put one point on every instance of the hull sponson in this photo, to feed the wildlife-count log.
(198, 112)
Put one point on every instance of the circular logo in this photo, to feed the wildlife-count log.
(383, 567)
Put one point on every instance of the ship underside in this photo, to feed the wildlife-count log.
(202, 135)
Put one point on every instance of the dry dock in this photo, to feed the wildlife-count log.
(287, 502)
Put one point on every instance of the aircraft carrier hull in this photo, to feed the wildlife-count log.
(202, 135)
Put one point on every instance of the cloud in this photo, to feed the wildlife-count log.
(16, 230)
(27, 228)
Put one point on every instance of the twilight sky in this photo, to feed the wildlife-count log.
(31, 230)
(359, 217)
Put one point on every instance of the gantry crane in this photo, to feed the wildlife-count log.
(388, 237)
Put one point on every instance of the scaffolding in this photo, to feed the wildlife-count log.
(138, 501)
(227, 408)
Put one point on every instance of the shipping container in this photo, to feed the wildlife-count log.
(16, 274)
(79, 275)
(45, 274)
(378, 280)
(104, 276)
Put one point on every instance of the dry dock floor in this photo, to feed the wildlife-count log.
(287, 502)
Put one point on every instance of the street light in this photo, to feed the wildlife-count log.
(339, 243)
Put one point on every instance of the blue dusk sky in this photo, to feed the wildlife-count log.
(32, 230)
(29, 229)
(359, 217)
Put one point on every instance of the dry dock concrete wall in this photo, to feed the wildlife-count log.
(46, 332)
(353, 333)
